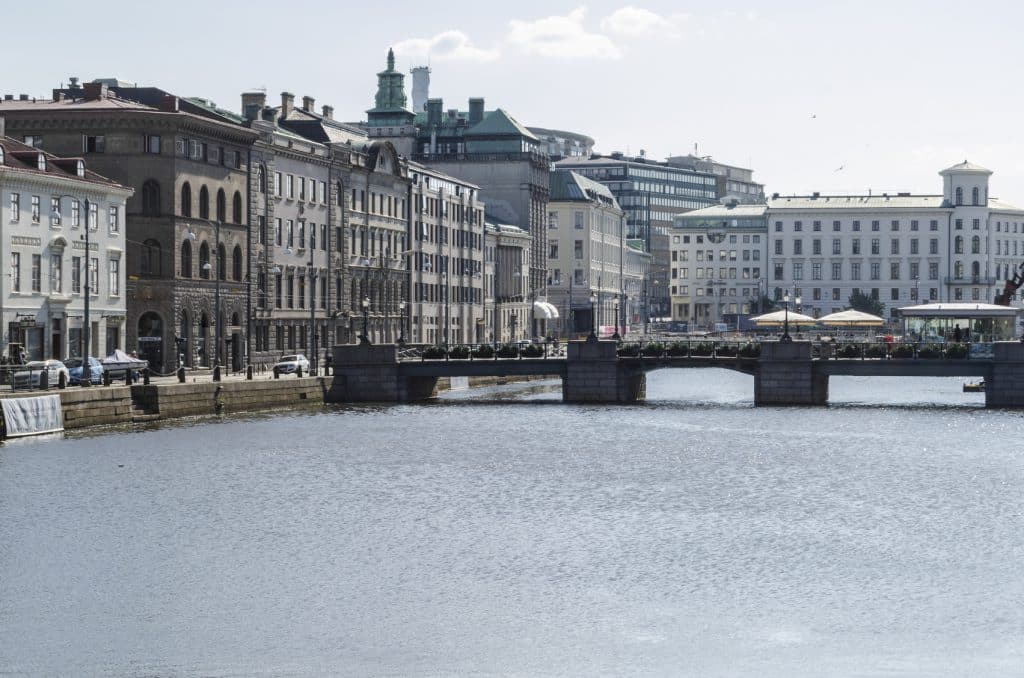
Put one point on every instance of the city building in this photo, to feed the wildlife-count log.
(560, 144)
(187, 163)
(735, 184)
(718, 260)
(507, 251)
(636, 273)
(489, 149)
(586, 253)
(64, 239)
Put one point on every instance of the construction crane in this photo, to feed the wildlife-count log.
(1012, 284)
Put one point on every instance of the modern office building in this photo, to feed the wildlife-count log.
(559, 144)
(64, 239)
(735, 184)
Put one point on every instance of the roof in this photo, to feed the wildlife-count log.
(965, 167)
(500, 123)
(567, 185)
(999, 206)
(730, 211)
(105, 103)
(24, 158)
(963, 310)
(864, 202)
(561, 134)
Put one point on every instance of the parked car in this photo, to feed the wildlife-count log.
(289, 363)
(28, 377)
(74, 366)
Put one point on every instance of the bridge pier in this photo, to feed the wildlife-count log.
(369, 373)
(1004, 385)
(786, 376)
(594, 374)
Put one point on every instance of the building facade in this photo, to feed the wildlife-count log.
(507, 252)
(586, 255)
(735, 184)
(64, 238)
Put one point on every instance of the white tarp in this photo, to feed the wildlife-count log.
(120, 360)
(33, 416)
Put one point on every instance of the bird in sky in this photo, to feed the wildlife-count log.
(814, 115)
(840, 168)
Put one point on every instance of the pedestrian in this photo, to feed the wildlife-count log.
(22, 357)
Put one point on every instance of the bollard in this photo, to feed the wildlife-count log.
(277, 373)
(248, 372)
(298, 371)
(216, 373)
(327, 366)
(127, 377)
(181, 374)
(44, 380)
(145, 376)
(106, 378)
(62, 381)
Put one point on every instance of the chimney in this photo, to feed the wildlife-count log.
(267, 113)
(8, 97)
(95, 90)
(74, 82)
(476, 110)
(287, 103)
(252, 104)
(328, 112)
(308, 104)
(434, 107)
(22, 97)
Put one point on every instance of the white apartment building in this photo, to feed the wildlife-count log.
(902, 249)
(585, 254)
(63, 235)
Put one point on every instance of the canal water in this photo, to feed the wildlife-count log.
(499, 532)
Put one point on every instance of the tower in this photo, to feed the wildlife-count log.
(420, 88)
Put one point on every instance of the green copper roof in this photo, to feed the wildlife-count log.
(500, 123)
(390, 90)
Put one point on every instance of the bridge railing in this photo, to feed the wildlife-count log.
(902, 350)
(515, 351)
(691, 348)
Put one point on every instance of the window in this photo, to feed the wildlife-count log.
(894, 270)
(35, 209)
(855, 270)
(913, 224)
(94, 275)
(835, 225)
(895, 224)
(958, 224)
(236, 263)
(150, 198)
(114, 277)
(894, 293)
(876, 246)
(835, 294)
(76, 275)
(875, 225)
(856, 225)
(277, 183)
(289, 187)
(958, 294)
(222, 206)
(958, 245)
(778, 247)
(837, 270)
(975, 199)
(975, 245)
(152, 143)
(114, 218)
(837, 246)
(933, 246)
(975, 224)
(578, 249)
(37, 273)
(302, 188)
(33, 140)
(856, 245)
(798, 247)
(94, 144)
(876, 270)
(186, 200)
(186, 259)
(915, 270)
(94, 216)
(798, 226)
(817, 225)
(222, 262)
(578, 219)
(204, 259)
(290, 224)
(816, 271)
(913, 246)
(894, 246)
(55, 212)
(16, 271)
(15, 207)
(204, 203)
(798, 271)
(933, 225)
(778, 226)
(552, 249)
(778, 272)
(959, 196)
(933, 270)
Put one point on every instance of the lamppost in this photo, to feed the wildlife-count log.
(447, 308)
(785, 322)
(365, 339)
(593, 317)
(616, 336)
(401, 321)
(87, 333)
(312, 314)
(216, 294)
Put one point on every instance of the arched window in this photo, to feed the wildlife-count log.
(151, 198)
(975, 270)
(975, 196)
(221, 263)
(222, 206)
(958, 269)
(236, 208)
(959, 196)
(236, 263)
(186, 259)
(341, 195)
(204, 259)
(204, 203)
(261, 179)
(958, 245)
(149, 259)
(186, 200)
(975, 245)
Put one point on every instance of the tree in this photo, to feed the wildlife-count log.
(763, 304)
(866, 303)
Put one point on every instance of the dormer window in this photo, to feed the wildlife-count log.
(41, 162)
(80, 168)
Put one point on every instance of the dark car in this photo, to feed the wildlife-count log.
(74, 366)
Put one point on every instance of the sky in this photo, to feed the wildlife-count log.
(836, 97)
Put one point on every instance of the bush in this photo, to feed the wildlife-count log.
(677, 349)
(533, 351)
(750, 350)
(903, 351)
(702, 349)
(929, 352)
(848, 351)
(508, 351)
(654, 349)
(458, 352)
(484, 351)
(874, 351)
(433, 352)
(956, 351)
(628, 350)
(726, 350)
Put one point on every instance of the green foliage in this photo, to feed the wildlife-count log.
(849, 351)
(677, 349)
(874, 351)
(726, 350)
(903, 351)
(628, 350)
(702, 349)
(750, 350)
(533, 351)
(484, 351)
(654, 349)
(930, 352)
(508, 351)
(865, 303)
(433, 352)
(458, 352)
(956, 351)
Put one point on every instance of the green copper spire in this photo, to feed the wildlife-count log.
(391, 59)
(390, 88)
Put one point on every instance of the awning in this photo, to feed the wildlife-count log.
(545, 310)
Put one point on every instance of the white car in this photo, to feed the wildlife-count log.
(290, 363)
(29, 375)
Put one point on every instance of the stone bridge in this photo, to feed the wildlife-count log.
(593, 372)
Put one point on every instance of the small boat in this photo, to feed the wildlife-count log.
(974, 386)
(120, 362)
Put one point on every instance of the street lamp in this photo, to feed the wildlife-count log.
(365, 339)
(87, 334)
(593, 317)
(312, 313)
(447, 309)
(616, 336)
(785, 323)
(401, 325)
(216, 293)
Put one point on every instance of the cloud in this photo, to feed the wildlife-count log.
(445, 46)
(561, 37)
(638, 22)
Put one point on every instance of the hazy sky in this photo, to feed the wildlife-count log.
(891, 92)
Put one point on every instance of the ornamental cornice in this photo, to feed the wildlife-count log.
(11, 178)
